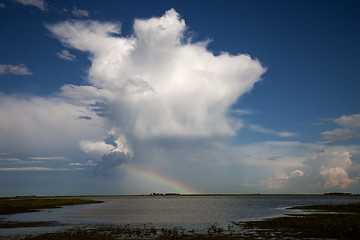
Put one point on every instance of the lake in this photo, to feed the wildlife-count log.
(188, 212)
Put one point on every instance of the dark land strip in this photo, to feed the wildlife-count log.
(23, 205)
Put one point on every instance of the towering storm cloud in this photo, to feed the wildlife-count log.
(156, 83)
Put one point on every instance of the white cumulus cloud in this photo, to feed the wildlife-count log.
(336, 177)
(334, 164)
(296, 173)
(153, 83)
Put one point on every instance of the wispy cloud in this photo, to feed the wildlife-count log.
(350, 128)
(49, 158)
(80, 12)
(2, 5)
(89, 163)
(66, 55)
(260, 129)
(20, 69)
(36, 3)
(11, 159)
(33, 169)
(349, 121)
(241, 112)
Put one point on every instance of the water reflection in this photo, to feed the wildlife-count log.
(189, 210)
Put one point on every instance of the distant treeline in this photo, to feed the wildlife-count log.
(161, 194)
(339, 194)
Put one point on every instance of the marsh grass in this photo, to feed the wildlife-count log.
(127, 232)
(111, 232)
(334, 221)
(23, 205)
(16, 224)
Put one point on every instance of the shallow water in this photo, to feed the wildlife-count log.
(189, 212)
(182, 210)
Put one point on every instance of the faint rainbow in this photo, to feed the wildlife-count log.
(174, 185)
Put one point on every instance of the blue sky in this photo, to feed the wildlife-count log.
(232, 97)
